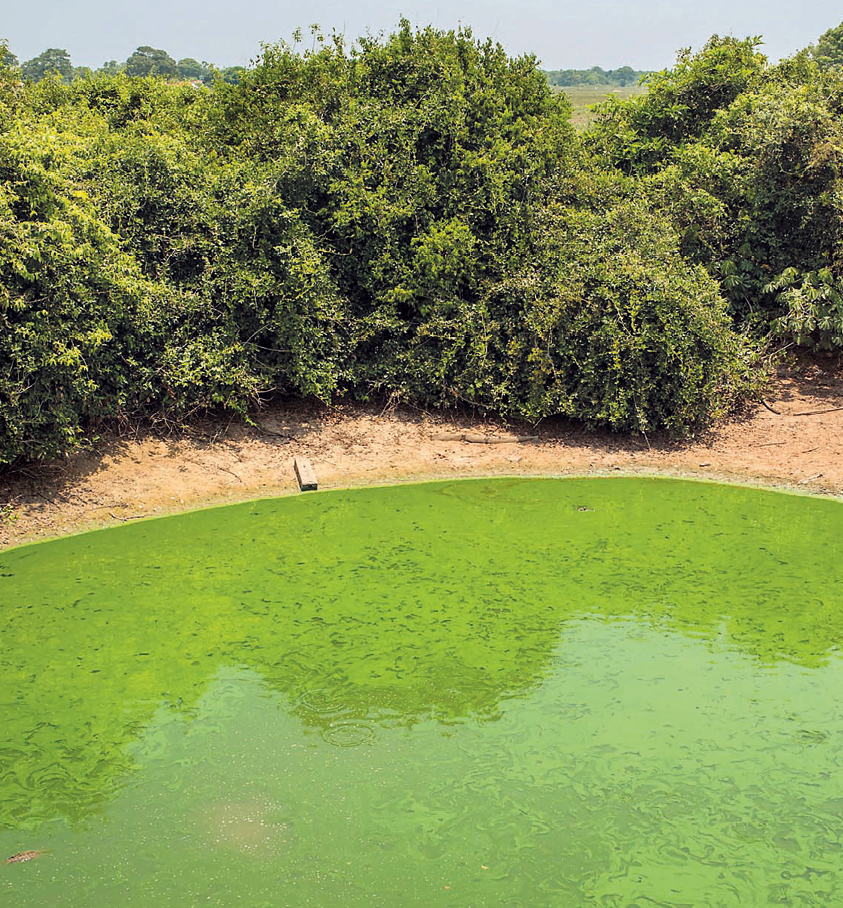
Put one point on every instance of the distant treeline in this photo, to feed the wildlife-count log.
(623, 76)
(145, 61)
(153, 61)
(413, 217)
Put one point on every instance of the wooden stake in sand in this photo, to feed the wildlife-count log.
(305, 474)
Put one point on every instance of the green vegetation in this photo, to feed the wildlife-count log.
(145, 61)
(149, 61)
(746, 160)
(414, 216)
(596, 76)
(828, 51)
(54, 61)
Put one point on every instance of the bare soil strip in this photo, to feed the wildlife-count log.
(793, 440)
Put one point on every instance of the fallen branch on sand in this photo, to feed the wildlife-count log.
(818, 412)
(804, 412)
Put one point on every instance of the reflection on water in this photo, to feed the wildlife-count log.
(469, 690)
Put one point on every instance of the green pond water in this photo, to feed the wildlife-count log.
(621, 693)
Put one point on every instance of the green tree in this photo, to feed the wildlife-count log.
(639, 135)
(9, 87)
(53, 60)
(188, 68)
(232, 74)
(111, 68)
(69, 300)
(411, 215)
(151, 61)
(828, 51)
(753, 180)
(7, 58)
(620, 330)
(626, 75)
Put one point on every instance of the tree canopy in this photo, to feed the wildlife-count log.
(7, 58)
(188, 68)
(151, 61)
(828, 51)
(53, 60)
(413, 216)
(746, 158)
(624, 75)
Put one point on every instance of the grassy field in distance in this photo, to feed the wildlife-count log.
(583, 96)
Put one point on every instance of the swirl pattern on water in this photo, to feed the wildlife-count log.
(474, 690)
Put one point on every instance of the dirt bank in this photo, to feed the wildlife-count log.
(211, 463)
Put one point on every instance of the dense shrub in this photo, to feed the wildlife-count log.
(411, 216)
(622, 332)
(640, 134)
(70, 301)
(750, 173)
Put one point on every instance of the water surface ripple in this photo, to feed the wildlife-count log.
(610, 693)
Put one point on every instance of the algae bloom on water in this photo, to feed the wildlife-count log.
(606, 692)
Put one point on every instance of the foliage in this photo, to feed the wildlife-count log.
(52, 61)
(638, 135)
(621, 331)
(68, 300)
(232, 74)
(188, 68)
(790, 142)
(814, 302)
(828, 51)
(418, 160)
(752, 181)
(145, 61)
(410, 215)
(9, 89)
(111, 68)
(151, 61)
(7, 59)
(623, 76)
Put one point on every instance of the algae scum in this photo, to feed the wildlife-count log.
(566, 693)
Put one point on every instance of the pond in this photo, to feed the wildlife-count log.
(602, 692)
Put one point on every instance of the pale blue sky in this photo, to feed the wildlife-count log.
(563, 33)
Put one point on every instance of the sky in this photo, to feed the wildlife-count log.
(564, 34)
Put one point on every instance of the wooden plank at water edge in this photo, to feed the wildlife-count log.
(305, 474)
